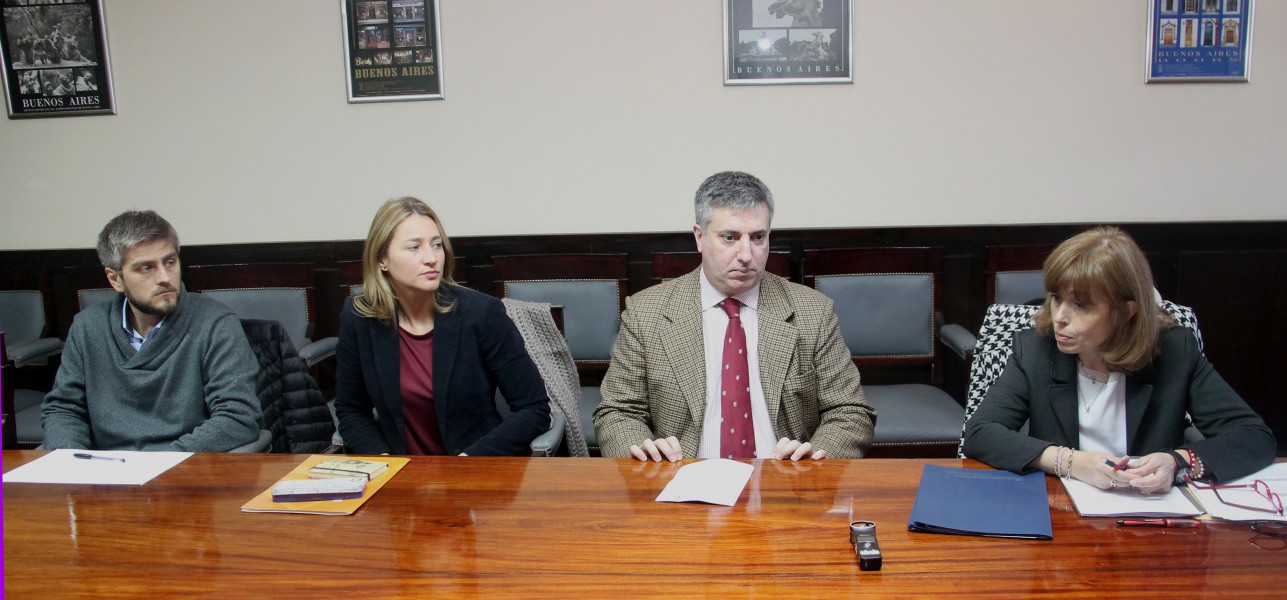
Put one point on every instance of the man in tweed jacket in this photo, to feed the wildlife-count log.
(658, 400)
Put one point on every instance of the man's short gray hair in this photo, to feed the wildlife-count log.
(129, 229)
(731, 189)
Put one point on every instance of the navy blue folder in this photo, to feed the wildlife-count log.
(981, 502)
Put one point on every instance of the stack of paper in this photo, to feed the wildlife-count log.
(1275, 475)
(104, 467)
(1124, 501)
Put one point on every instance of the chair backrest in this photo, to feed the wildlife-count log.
(1018, 287)
(996, 343)
(885, 299)
(23, 315)
(1014, 273)
(669, 265)
(280, 292)
(546, 346)
(90, 297)
(591, 288)
(26, 304)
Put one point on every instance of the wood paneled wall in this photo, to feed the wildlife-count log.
(1233, 274)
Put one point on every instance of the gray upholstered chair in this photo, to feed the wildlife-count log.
(24, 315)
(89, 297)
(271, 292)
(546, 346)
(21, 406)
(1013, 277)
(886, 301)
(591, 288)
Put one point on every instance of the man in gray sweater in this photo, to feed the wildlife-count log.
(154, 369)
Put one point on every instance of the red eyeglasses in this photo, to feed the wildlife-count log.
(1257, 487)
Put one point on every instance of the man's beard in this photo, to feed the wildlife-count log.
(151, 309)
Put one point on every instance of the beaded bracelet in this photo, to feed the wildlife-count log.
(1068, 469)
(1059, 459)
(1196, 467)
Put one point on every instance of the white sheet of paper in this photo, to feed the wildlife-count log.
(715, 480)
(1275, 475)
(62, 466)
(1126, 502)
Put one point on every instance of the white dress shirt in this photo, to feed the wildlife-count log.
(714, 325)
(1101, 413)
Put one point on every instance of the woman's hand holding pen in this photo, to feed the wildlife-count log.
(1155, 473)
(1103, 470)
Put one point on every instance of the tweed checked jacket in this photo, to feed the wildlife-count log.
(656, 384)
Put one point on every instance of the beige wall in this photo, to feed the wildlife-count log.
(575, 116)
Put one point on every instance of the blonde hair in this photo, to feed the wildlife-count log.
(1105, 265)
(378, 299)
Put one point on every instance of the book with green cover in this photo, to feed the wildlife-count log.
(347, 467)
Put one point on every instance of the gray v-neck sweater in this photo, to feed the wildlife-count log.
(190, 388)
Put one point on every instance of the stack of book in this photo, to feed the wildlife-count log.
(347, 467)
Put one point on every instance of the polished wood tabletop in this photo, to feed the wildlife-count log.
(582, 528)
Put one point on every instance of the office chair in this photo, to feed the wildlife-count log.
(591, 288)
(886, 301)
(548, 349)
(281, 292)
(26, 305)
(1013, 277)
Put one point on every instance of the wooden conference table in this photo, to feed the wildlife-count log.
(581, 528)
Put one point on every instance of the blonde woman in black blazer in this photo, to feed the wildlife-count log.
(462, 343)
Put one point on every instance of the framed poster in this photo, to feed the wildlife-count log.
(392, 50)
(55, 59)
(769, 42)
(1198, 40)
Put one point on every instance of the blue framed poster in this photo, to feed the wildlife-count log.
(1199, 40)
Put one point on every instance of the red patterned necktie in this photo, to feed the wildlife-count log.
(737, 432)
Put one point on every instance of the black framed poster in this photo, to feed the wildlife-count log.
(787, 41)
(55, 59)
(392, 50)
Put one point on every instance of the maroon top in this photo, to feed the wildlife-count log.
(415, 363)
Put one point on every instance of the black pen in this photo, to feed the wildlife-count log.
(1183, 523)
(92, 457)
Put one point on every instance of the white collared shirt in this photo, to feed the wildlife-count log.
(1101, 414)
(136, 340)
(714, 325)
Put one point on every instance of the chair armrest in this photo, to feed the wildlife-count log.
(25, 353)
(318, 351)
(958, 339)
(261, 444)
(548, 443)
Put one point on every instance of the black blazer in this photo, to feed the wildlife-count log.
(476, 349)
(1039, 385)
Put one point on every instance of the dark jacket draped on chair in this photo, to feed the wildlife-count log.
(293, 407)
